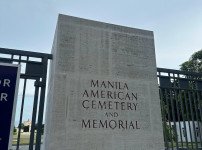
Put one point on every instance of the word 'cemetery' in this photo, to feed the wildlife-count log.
(109, 96)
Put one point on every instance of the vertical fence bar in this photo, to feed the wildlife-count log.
(169, 119)
(34, 113)
(200, 110)
(192, 117)
(183, 118)
(22, 108)
(197, 117)
(197, 120)
(19, 59)
(41, 104)
(179, 111)
(163, 118)
(198, 107)
(173, 118)
(11, 57)
(21, 114)
(188, 117)
(178, 116)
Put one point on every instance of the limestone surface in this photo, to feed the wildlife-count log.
(103, 92)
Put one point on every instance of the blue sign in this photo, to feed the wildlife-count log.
(9, 75)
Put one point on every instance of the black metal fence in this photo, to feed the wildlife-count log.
(181, 105)
(180, 97)
(33, 77)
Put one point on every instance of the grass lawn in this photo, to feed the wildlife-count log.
(24, 139)
(184, 145)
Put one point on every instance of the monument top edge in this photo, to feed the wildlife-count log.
(62, 18)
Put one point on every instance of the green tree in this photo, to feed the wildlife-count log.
(14, 131)
(194, 64)
(21, 125)
(169, 133)
(36, 128)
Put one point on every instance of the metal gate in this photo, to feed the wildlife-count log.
(180, 97)
(33, 77)
(181, 105)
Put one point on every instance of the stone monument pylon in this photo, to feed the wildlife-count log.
(103, 91)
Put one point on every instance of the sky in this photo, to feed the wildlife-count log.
(177, 24)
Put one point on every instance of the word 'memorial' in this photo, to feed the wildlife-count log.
(103, 90)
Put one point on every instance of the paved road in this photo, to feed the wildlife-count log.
(24, 147)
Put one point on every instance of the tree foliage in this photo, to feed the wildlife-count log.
(194, 64)
(21, 125)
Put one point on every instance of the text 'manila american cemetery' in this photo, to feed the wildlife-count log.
(103, 91)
